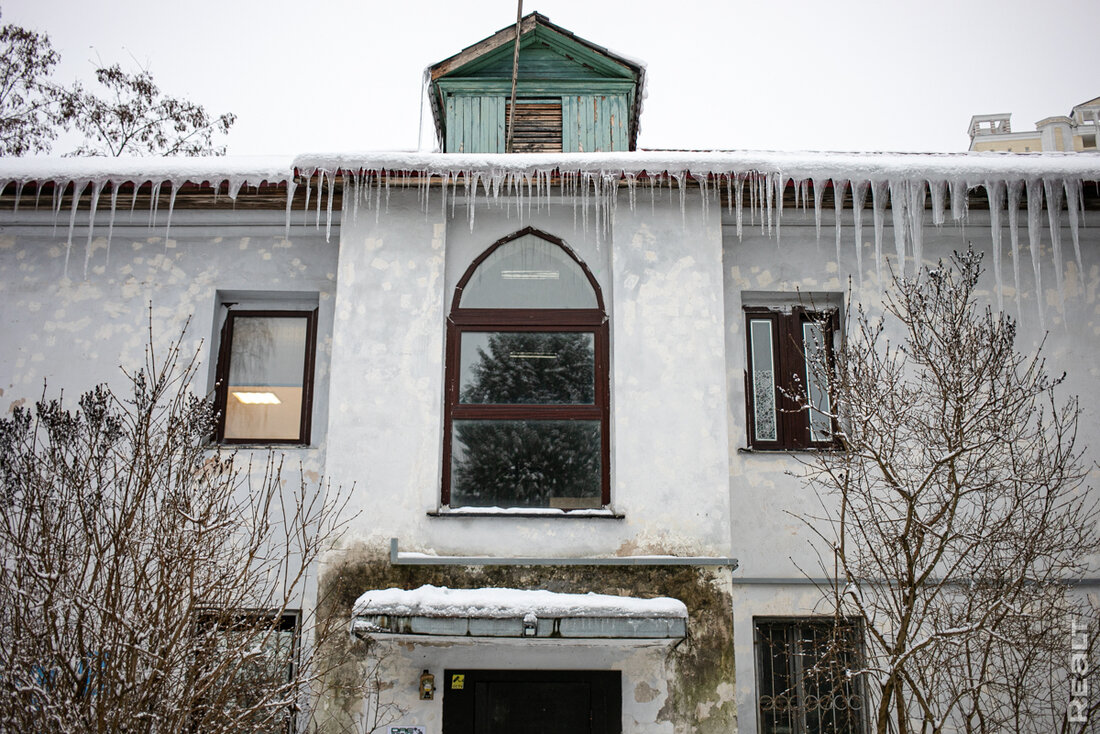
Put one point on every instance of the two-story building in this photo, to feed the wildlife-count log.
(548, 374)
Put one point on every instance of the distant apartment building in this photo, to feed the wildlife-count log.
(1074, 133)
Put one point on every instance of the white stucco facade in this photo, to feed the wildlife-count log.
(674, 281)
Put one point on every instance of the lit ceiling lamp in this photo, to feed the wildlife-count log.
(257, 398)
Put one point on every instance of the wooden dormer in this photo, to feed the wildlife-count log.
(571, 95)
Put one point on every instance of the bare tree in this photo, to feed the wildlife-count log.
(130, 116)
(955, 513)
(151, 582)
(27, 98)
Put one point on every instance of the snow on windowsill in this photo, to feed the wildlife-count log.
(513, 512)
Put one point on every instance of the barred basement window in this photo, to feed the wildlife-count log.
(787, 394)
(527, 381)
(806, 681)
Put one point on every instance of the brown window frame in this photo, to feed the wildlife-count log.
(592, 320)
(221, 391)
(800, 646)
(792, 421)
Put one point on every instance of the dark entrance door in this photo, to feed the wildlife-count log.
(532, 702)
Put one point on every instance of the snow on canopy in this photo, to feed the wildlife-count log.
(499, 603)
(592, 181)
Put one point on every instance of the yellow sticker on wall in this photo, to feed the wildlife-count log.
(458, 681)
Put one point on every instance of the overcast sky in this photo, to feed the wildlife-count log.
(327, 76)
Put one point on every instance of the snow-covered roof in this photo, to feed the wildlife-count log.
(497, 603)
(501, 613)
(973, 167)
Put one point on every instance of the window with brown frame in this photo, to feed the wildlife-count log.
(527, 380)
(804, 677)
(789, 352)
(265, 376)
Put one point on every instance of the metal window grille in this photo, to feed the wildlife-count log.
(806, 677)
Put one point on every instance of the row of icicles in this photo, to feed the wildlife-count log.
(593, 196)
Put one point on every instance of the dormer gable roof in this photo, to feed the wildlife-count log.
(552, 59)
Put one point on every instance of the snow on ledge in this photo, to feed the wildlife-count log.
(494, 603)
(796, 164)
(483, 511)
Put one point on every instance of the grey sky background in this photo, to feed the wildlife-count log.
(329, 76)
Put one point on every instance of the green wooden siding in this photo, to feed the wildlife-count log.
(536, 61)
(593, 123)
(475, 124)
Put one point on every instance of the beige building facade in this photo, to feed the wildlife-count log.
(1075, 133)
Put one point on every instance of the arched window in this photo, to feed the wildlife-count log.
(527, 381)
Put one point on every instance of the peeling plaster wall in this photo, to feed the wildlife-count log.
(766, 495)
(661, 277)
(671, 687)
(72, 330)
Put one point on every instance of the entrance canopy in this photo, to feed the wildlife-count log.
(432, 610)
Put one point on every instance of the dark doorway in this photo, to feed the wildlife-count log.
(532, 702)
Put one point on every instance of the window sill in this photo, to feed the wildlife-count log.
(259, 445)
(535, 512)
(773, 452)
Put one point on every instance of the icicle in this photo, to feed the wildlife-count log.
(683, 196)
(377, 195)
(765, 181)
(133, 199)
(78, 189)
(291, 184)
(915, 211)
(938, 189)
(97, 186)
(1053, 190)
(321, 177)
(470, 181)
(357, 181)
(308, 175)
(154, 201)
(840, 186)
(444, 179)
(819, 193)
(797, 192)
(958, 200)
(171, 207)
(780, 188)
(235, 185)
(328, 209)
(995, 192)
(1034, 232)
(1014, 189)
(878, 203)
(18, 193)
(898, 198)
(111, 221)
(1073, 200)
(859, 199)
(752, 201)
(740, 209)
(58, 196)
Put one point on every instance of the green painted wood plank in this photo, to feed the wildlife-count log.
(569, 126)
(449, 123)
(545, 88)
(501, 126)
(542, 47)
(619, 137)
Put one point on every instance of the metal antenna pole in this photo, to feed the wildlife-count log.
(508, 140)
